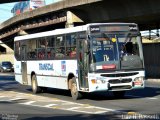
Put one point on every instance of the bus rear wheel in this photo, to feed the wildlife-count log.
(74, 90)
(35, 87)
(119, 94)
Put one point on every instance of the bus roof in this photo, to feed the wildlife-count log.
(64, 31)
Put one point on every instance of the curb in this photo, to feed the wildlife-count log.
(153, 80)
(12, 78)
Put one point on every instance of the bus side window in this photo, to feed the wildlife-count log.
(17, 50)
(60, 47)
(31, 51)
(73, 52)
(71, 45)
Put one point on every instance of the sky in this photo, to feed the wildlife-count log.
(5, 9)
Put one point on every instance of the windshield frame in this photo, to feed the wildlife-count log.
(127, 34)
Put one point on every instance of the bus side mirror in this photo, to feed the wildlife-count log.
(86, 46)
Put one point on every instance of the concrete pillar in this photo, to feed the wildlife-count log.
(22, 32)
(71, 18)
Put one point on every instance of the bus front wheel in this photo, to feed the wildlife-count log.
(35, 87)
(74, 90)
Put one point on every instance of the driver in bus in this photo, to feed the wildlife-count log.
(127, 49)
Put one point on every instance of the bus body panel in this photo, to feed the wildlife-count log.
(17, 70)
(52, 73)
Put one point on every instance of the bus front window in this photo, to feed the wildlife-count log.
(116, 51)
(104, 49)
(130, 52)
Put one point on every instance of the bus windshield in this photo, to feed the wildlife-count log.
(117, 50)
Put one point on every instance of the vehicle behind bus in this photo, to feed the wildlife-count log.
(89, 58)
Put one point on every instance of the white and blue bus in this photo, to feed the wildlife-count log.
(88, 58)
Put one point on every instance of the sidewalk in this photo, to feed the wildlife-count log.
(153, 80)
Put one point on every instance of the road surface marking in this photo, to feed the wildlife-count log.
(152, 98)
(107, 109)
(90, 107)
(50, 105)
(68, 103)
(56, 107)
(99, 112)
(14, 99)
(74, 108)
(131, 113)
(28, 103)
(2, 96)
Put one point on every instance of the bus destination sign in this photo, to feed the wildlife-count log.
(114, 28)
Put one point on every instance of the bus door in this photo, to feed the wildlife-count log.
(24, 64)
(82, 64)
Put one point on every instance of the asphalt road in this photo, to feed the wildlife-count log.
(16, 99)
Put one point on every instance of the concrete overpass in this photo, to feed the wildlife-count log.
(144, 12)
(9, 1)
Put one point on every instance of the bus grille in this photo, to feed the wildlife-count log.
(120, 87)
(119, 74)
(115, 81)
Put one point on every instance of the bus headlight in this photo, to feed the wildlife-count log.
(138, 81)
(94, 81)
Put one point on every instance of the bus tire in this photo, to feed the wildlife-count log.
(74, 90)
(35, 87)
(119, 94)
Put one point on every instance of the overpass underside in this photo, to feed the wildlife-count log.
(144, 12)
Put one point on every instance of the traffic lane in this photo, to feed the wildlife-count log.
(11, 111)
(53, 103)
(145, 100)
(138, 100)
(18, 103)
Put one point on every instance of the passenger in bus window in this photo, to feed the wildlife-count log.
(52, 53)
(60, 52)
(32, 54)
(73, 53)
(44, 44)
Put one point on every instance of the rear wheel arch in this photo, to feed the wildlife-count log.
(32, 73)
